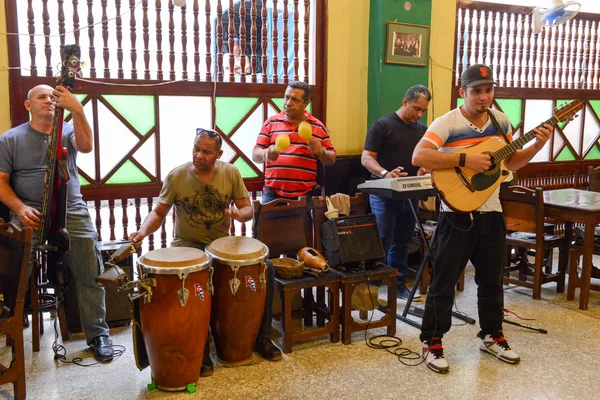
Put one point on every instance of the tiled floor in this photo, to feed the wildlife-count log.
(563, 364)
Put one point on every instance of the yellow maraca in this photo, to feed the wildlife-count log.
(305, 130)
(282, 142)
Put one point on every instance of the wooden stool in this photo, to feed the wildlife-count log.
(575, 280)
(347, 282)
(287, 288)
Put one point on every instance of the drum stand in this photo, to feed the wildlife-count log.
(418, 312)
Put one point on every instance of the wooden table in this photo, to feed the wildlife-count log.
(574, 205)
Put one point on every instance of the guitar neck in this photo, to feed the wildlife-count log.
(518, 144)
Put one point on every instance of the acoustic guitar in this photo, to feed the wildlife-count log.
(465, 190)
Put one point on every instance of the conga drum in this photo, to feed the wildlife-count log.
(175, 315)
(240, 279)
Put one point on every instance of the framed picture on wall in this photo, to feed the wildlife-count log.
(407, 44)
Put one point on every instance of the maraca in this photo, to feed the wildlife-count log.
(282, 142)
(304, 130)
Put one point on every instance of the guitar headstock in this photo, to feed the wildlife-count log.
(71, 66)
(568, 111)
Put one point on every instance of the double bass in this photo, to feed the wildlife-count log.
(53, 237)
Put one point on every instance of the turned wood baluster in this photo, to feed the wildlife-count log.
(275, 42)
(171, 42)
(163, 234)
(76, 22)
(46, 30)
(138, 220)
(264, 36)
(196, 12)
(184, 57)
(306, 39)
(461, 44)
(61, 26)
(146, 38)
(520, 39)
(98, 209)
(530, 52)
(159, 36)
(219, 41)
(133, 36)
(105, 50)
(511, 75)
(150, 236)
(296, 41)
(494, 59)
(124, 220)
(592, 67)
(579, 76)
(597, 57)
(502, 30)
(484, 37)
(285, 42)
(119, 35)
(242, 42)
(466, 36)
(111, 218)
(253, 41)
(231, 41)
(534, 59)
(564, 55)
(558, 35)
(208, 35)
(475, 36)
(545, 57)
(90, 29)
(587, 56)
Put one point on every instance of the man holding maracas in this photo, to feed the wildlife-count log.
(290, 143)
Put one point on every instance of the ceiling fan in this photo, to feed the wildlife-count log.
(558, 12)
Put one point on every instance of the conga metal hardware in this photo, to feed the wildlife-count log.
(209, 285)
(234, 283)
(262, 278)
(183, 293)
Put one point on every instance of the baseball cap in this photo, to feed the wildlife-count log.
(476, 74)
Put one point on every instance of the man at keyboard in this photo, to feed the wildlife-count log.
(387, 154)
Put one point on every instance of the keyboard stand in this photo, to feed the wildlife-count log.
(418, 312)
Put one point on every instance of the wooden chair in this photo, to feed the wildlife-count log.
(524, 215)
(285, 227)
(15, 245)
(577, 252)
(349, 280)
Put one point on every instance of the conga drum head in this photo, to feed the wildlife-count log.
(174, 261)
(240, 250)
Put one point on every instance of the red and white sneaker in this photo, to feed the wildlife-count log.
(496, 345)
(434, 356)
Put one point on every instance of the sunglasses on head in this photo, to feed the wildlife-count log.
(208, 132)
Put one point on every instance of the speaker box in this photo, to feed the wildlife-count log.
(118, 312)
(353, 239)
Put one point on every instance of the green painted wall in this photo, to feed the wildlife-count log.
(389, 82)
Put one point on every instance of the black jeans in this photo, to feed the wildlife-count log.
(459, 239)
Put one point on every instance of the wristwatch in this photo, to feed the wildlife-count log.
(383, 172)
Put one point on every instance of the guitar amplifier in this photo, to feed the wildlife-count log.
(118, 310)
(352, 239)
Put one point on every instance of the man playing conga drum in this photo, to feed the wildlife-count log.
(202, 191)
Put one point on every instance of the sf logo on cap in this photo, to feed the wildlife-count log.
(483, 71)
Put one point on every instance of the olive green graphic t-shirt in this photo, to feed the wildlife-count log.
(199, 206)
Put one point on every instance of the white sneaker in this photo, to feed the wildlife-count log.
(434, 356)
(499, 347)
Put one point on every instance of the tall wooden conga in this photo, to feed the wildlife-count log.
(240, 280)
(175, 320)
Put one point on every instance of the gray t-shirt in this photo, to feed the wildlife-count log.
(200, 206)
(24, 155)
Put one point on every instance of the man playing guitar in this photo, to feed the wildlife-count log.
(478, 236)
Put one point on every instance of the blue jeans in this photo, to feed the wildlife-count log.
(85, 263)
(269, 195)
(396, 224)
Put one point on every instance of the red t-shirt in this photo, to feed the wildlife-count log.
(294, 173)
